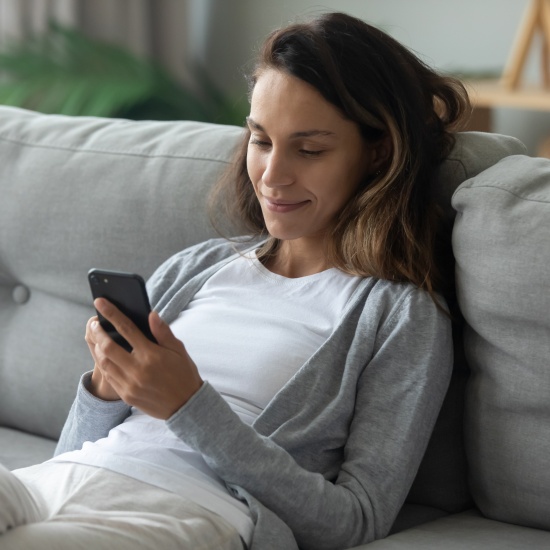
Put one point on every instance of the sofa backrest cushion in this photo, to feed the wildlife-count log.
(442, 481)
(472, 153)
(77, 193)
(501, 243)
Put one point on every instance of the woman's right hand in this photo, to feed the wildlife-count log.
(98, 385)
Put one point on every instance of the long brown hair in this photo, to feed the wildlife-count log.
(388, 229)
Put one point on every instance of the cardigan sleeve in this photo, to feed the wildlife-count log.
(398, 397)
(90, 418)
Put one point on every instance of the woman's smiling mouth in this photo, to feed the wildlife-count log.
(282, 206)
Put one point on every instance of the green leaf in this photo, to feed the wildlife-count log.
(63, 71)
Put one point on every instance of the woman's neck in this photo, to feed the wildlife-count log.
(294, 259)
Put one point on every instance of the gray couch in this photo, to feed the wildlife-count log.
(77, 193)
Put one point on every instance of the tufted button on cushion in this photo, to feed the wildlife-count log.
(20, 294)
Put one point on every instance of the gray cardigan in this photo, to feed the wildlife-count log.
(329, 462)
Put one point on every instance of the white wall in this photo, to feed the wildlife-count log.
(472, 35)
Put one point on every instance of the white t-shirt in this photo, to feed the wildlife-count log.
(249, 331)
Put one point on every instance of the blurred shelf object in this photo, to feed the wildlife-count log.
(536, 18)
(491, 93)
(509, 91)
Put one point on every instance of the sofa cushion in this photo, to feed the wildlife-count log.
(77, 193)
(501, 243)
(20, 449)
(466, 531)
(472, 153)
(441, 481)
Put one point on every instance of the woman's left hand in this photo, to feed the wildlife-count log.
(158, 378)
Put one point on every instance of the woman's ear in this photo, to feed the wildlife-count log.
(381, 152)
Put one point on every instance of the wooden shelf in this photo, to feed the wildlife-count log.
(491, 93)
(509, 91)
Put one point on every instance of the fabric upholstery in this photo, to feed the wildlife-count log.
(465, 531)
(78, 193)
(441, 481)
(502, 247)
(20, 449)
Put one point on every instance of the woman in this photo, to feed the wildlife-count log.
(297, 376)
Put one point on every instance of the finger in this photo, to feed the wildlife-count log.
(123, 325)
(109, 383)
(104, 349)
(100, 387)
(89, 336)
(163, 333)
(108, 378)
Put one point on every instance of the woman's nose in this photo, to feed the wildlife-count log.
(277, 171)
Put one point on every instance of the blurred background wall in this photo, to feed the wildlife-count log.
(470, 36)
(221, 36)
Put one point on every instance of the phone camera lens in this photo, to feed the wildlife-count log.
(94, 279)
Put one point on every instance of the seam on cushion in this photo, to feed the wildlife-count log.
(474, 186)
(458, 166)
(111, 152)
(460, 162)
(465, 173)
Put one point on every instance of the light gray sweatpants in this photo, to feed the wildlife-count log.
(64, 506)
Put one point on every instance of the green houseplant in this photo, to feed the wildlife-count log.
(65, 72)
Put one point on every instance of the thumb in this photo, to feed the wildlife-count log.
(163, 334)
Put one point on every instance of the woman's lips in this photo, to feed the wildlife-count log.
(283, 206)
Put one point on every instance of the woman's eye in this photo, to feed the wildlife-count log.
(310, 153)
(259, 143)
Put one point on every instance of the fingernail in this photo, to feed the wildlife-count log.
(94, 325)
(155, 313)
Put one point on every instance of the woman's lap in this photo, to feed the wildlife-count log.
(86, 507)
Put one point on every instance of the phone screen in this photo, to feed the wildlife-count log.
(127, 292)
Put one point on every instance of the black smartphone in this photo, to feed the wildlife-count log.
(127, 292)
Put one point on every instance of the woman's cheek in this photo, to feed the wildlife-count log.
(253, 167)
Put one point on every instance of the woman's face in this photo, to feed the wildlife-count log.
(305, 160)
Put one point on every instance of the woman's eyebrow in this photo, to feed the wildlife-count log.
(313, 133)
(306, 133)
(253, 124)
